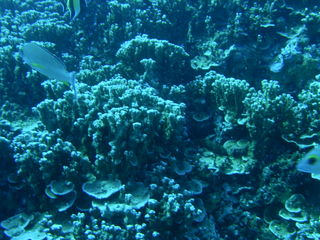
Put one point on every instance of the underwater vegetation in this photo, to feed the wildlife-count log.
(155, 119)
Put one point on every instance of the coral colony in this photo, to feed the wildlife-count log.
(159, 120)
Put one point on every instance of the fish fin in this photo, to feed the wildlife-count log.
(73, 84)
(76, 4)
(37, 65)
(63, 8)
(70, 9)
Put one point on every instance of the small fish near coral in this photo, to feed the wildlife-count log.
(41, 60)
(310, 163)
(75, 7)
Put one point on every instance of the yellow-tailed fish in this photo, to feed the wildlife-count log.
(48, 64)
(310, 163)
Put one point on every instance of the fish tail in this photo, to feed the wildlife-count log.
(73, 85)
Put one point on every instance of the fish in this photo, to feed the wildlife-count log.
(44, 62)
(310, 163)
(75, 6)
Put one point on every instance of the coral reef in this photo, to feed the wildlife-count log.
(188, 124)
(162, 62)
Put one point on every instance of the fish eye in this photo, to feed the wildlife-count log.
(312, 160)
